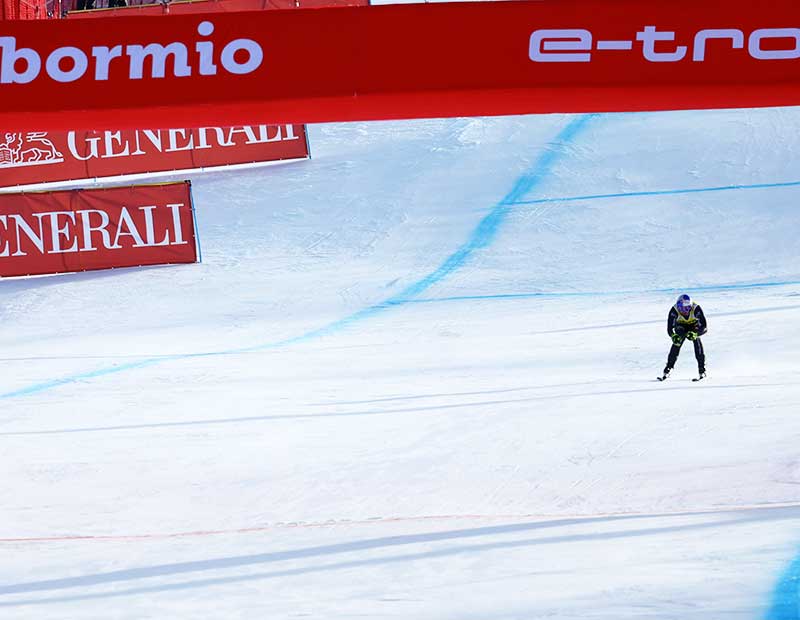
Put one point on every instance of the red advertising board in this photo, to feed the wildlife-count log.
(23, 9)
(398, 61)
(86, 229)
(198, 6)
(28, 157)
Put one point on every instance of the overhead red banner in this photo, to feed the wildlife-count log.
(28, 157)
(398, 61)
(85, 229)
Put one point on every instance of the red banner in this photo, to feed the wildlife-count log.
(23, 9)
(42, 157)
(398, 61)
(198, 6)
(85, 229)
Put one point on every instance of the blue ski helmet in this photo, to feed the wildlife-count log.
(684, 304)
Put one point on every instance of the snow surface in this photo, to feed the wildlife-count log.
(414, 378)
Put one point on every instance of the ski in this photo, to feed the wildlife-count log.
(695, 380)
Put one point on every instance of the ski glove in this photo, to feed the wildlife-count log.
(677, 339)
(692, 335)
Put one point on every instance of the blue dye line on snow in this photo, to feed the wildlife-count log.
(663, 192)
(786, 597)
(688, 289)
(487, 229)
(483, 235)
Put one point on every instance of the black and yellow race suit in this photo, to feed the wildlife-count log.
(681, 325)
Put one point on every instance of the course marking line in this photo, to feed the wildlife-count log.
(786, 596)
(652, 291)
(482, 236)
(412, 519)
(663, 192)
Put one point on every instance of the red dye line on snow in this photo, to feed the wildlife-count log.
(424, 518)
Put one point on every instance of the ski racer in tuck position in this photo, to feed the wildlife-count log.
(686, 321)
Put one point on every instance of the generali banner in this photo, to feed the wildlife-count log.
(398, 61)
(85, 229)
(39, 157)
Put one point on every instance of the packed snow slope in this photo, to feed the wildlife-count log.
(414, 377)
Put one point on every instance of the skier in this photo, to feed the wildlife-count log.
(686, 321)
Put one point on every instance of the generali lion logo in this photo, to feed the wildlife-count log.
(28, 149)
